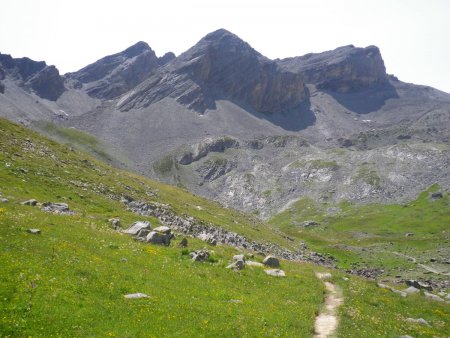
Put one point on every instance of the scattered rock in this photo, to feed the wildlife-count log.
(31, 202)
(208, 238)
(419, 285)
(57, 208)
(4, 200)
(239, 258)
(160, 235)
(235, 301)
(437, 195)
(309, 224)
(409, 234)
(115, 223)
(411, 290)
(405, 336)
(420, 321)
(136, 296)
(387, 287)
(271, 261)
(323, 275)
(275, 273)
(199, 255)
(238, 265)
(252, 263)
(183, 243)
(433, 297)
(136, 227)
(34, 231)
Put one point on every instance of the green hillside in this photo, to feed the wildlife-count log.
(70, 280)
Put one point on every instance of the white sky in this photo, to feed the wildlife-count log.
(413, 35)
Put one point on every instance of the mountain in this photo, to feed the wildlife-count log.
(255, 134)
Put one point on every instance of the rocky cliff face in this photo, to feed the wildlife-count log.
(343, 69)
(116, 74)
(44, 80)
(221, 65)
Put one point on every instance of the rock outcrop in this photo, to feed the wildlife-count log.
(34, 76)
(116, 74)
(344, 69)
(221, 65)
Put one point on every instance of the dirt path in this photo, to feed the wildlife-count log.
(423, 266)
(327, 321)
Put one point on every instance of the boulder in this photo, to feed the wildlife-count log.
(115, 223)
(271, 261)
(34, 231)
(433, 297)
(160, 235)
(275, 273)
(239, 258)
(237, 265)
(420, 321)
(136, 227)
(309, 224)
(31, 202)
(199, 255)
(56, 208)
(436, 195)
(411, 290)
(419, 285)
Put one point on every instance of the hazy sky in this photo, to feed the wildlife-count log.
(413, 35)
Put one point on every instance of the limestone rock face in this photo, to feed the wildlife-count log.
(34, 76)
(221, 65)
(344, 69)
(115, 74)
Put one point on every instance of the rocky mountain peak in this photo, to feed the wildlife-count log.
(45, 81)
(136, 49)
(116, 74)
(343, 69)
(222, 66)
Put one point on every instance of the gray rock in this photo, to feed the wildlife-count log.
(57, 208)
(271, 261)
(136, 227)
(160, 235)
(400, 293)
(4, 200)
(411, 290)
(199, 255)
(309, 224)
(239, 258)
(115, 223)
(183, 243)
(31, 202)
(433, 297)
(437, 195)
(136, 295)
(237, 265)
(142, 234)
(420, 321)
(275, 273)
(252, 263)
(34, 231)
(405, 336)
(419, 285)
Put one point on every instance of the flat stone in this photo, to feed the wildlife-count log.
(31, 202)
(34, 231)
(420, 321)
(136, 226)
(275, 273)
(411, 290)
(136, 295)
(253, 263)
(163, 229)
(433, 297)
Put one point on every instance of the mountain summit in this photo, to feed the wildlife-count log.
(222, 66)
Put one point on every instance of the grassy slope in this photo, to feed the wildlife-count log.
(367, 235)
(70, 280)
